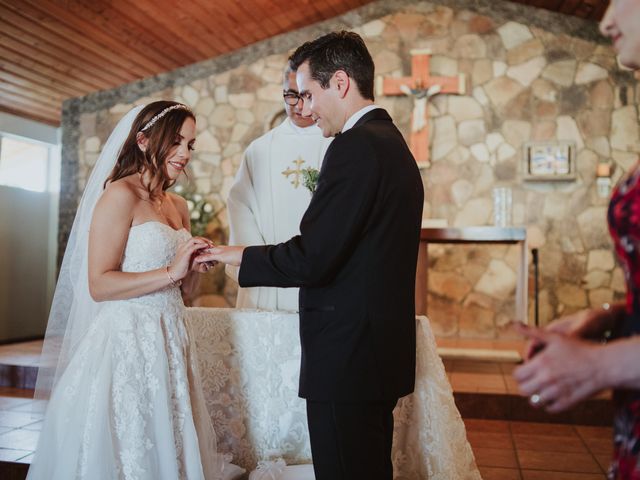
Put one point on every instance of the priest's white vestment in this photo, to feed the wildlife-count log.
(268, 199)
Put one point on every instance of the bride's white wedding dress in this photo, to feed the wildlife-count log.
(129, 405)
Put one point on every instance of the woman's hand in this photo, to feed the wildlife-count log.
(185, 256)
(572, 325)
(587, 324)
(565, 371)
(205, 266)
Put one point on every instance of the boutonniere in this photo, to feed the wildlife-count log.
(310, 178)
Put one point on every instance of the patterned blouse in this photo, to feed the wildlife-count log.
(624, 227)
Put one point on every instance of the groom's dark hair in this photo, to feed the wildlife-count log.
(337, 51)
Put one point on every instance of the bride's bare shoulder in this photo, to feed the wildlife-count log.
(124, 192)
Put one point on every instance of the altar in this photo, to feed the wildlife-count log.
(249, 362)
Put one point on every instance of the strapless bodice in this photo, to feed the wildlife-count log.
(153, 245)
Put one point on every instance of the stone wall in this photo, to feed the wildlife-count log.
(533, 75)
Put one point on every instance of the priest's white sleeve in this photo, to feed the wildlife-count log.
(242, 209)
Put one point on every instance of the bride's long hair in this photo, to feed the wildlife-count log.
(161, 136)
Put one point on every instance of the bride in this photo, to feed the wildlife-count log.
(125, 400)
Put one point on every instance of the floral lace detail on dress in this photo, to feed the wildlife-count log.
(124, 406)
(134, 385)
(135, 381)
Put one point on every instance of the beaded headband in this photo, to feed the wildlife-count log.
(157, 117)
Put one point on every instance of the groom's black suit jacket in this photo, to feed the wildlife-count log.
(355, 261)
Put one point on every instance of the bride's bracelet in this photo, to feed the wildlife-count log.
(173, 282)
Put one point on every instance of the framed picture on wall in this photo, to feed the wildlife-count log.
(550, 161)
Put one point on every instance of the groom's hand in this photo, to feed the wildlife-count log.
(228, 255)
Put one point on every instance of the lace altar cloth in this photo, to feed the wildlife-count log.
(249, 365)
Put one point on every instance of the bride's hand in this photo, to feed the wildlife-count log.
(202, 267)
(182, 262)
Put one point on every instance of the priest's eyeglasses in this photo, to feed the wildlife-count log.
(292, 98)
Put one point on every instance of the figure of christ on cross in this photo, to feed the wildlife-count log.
(422, 86)
(296, 172)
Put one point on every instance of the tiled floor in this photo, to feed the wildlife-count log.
(20, 423)
(479, 376)
(504, 449)
(532, 451)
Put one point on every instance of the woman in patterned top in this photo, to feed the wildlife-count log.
(564, 365)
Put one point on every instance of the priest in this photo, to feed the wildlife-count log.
(268, 197)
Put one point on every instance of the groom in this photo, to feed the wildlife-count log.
(355, 262)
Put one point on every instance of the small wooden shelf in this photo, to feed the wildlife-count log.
(473, 235)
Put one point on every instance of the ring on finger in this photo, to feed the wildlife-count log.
(536, 400)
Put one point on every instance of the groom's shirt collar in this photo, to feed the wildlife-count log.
(351, 121)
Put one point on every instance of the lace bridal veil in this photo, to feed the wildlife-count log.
(73, 309)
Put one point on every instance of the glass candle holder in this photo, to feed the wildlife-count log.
(502, 206)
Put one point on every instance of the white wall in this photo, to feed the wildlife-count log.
(24, 263)
(28, 242)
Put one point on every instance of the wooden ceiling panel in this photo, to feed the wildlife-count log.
(27, 18)
(135, 35)
(49, 101)
(32, 47)
(248, 17)
(183, 29)
(45, 86)
(36, 109)
(52, 50)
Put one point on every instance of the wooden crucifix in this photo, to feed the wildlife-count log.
(422, 86)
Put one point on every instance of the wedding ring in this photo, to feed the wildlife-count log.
(535, 399)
